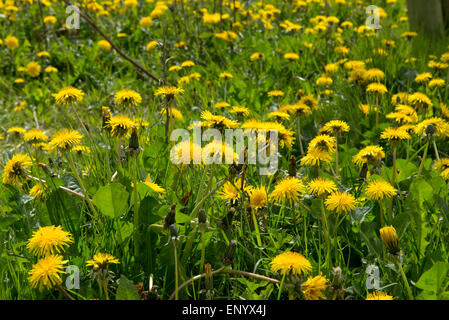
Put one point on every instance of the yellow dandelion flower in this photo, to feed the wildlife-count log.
(379, 190)
(33, 69)
(322, 187)
(187, 64)
(373, 75)
(168, 92)
(335, 127)
(419, 100)
(34, 136)
(65, 139)
(230, 193)
(11, 42)
(226, 75)
(151, 45)
(279, 115)
(437, 83)
(377, 88)
(315, 158)
(102, 261)
(154, 186)
(68, 95)
(290, 263)
(104, 45)
(45, 273)
(395, 134)
(275, 93)
(36, 191)
(291, 56)
(239, 111)
(378, 295)
(217, 122)
(127, 97)
(185, 152)
(258, 197)
(257, 56)
(289, 188)
(423, 77)
(324, 81)
(323, 142)
(369, 155)
(340, 202)
(120, 125)
(390, 239)
(49, 240)
(438, 124)
(16, 169)
(313, 287)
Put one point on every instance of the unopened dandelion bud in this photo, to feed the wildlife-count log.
(134, 146)
(292, 167)
(202, 216)
(228, 256)
(300, 93)
(173, 231)
(430, 129)
(106, 115)
(170, 217)
(390, 239)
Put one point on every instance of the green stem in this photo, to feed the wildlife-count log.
(404, 278)
(136, 211)
(437, 155)
(281, 286)
(105, 286)
(176, 271)
(324, 225)
(256, 227)
(381, 213)
(423, 160)
(83, 188)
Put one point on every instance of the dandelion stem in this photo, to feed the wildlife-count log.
(105, 287)
(83, 188)
(176, 270)
(324, 225)
(301, 149)
(437, 155)
(281, 285)
(256, 227)
(404, 278)
(136, 210)
(381, 213)
(423, 159)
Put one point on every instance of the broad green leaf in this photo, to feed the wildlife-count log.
(432, 280)
(112, 200)
(126, 290)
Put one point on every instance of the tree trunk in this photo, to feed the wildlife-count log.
(445, 7)
(426, 16)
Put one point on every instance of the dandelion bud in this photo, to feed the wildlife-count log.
(300, 93)
(202, 216)
(170, 217)
(390, 239)
(226, 221)
(106, 115)
(292, 167)
(430, 129)
(134, 147)
(173, 231)
(228, 256)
